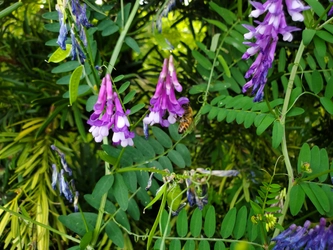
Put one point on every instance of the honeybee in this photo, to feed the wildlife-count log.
(186, 120)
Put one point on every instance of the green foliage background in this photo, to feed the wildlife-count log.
(268, 142)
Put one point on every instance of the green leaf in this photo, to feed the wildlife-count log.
(144, 147)
(132, 44)
(249, 119)
(162, 137)
(114, 233)
(219, 245)
(224, 65)
(252, 228)
(218, 24)
(133, 209)
(120, 191)
(213, 113)
(228, 16)
(326, 36)
(75, 222)
(189, 245)
(166, 163)
(130, 180)
(121, 218)
(307, 36)
(91, 102)
(109, 30)
(118, 78)
(175, 245)
(124, 86)
(86, 239)
(240, 225)
(222, 114)
(66, 67)
(161, 191)
(228, 223)
(210, 222)
(329, 88)
(137, 108)
(256, 208)
(202, 60)
(129, 96)
(266, 122)
(327, 104)
(295, 111)
(196, 89)
(204, 245)
(317, 82)
(52, 15)
(313, 197)
(185, 153)
(320, 47)
(277, 134)
(319, 193)
(196, 222)
(182, 224)
(298, 197)
(304, 156)
(82, 89)
(59, 55)
(79, 123)
(103, 186)
(215, 40)
(176, 158)
(324, 164)
(282, 60)
(156, 146)
(64, 80)
(317, 7)
(173, 131)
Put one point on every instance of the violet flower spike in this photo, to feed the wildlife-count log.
(103, 118)
(63, 28)
(164, 100)
(121, 134)
(54, 176)
(266, 38)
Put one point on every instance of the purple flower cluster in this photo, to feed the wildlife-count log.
(66, 188)
(109, 113)
(298, 237)
(164, 99)
(79, 15)
(266, 36)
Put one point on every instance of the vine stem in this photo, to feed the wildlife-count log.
(122, 37)
(284, 138)
(112, 62)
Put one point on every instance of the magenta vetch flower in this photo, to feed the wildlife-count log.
(266, 38)
(109, 114)
(165, 108)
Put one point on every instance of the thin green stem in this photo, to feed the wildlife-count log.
(284, 139)
(40, 224)
(10, 9)
(121, 38)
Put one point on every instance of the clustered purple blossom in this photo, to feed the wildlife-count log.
(330, 12)
(164, 99)
(298, 237)
(109, 114)
(81, 21)
(266, 36)
(66, 188)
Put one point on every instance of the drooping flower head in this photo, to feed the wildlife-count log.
(164, 102)
(80, 18)
(66, 188)
(109, 114)
(266, 36)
